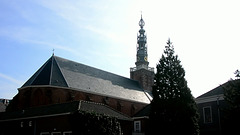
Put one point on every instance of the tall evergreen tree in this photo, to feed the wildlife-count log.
(174, 110)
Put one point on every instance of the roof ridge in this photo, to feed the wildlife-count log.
(51, 72)
(216, 89)
(60, 70)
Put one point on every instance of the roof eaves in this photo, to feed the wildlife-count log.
(34, 117)
(41, 111)
(213, 98)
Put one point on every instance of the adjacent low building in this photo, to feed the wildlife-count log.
(57, 119)
(212, 108)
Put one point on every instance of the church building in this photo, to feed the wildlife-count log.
(46, 101)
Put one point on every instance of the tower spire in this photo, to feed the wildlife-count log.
(142, 56)
(142, 73)
(141, 22)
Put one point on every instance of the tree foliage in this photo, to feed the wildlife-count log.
(86, 123)
(174, 110)
(232, 111)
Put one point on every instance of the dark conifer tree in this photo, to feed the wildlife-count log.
(174, 110)
(232, 110)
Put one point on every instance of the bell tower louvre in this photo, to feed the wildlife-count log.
(142, 73)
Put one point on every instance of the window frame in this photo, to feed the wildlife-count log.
(205, 119)
(137, 126)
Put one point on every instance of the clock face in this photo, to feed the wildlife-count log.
(145, 58)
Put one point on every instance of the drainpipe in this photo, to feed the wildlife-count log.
(34, 126)
(219, 118)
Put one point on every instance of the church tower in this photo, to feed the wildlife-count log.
(142, 73)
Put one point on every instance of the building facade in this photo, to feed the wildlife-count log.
(212, 108)
(60, 119)
(61, 82)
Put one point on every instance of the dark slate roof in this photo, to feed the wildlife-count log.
(63, 109)
(65, 73)
(218, 90)
(48, 74)
(145, 112)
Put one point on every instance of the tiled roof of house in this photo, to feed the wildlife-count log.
(65, 73)
(145, 112)
(63, 109)
(218, 90)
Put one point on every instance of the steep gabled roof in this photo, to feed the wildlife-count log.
(145, 112)
(48, 74)
(216, 91)
(65, 73)
(220, 89)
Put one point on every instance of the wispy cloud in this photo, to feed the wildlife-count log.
(103, 32)
(9, 78)
(87, 15)
(71, 11)
(54, 46)
(27, 37)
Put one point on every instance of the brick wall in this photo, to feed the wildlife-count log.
(45, 95)
(145, 78)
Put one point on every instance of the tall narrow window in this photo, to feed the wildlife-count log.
(137, 126)
(207, 114)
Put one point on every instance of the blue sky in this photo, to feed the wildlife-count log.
(103, 34)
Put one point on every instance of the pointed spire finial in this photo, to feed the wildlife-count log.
(53, 52)
(169, 41)
(141, 22)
